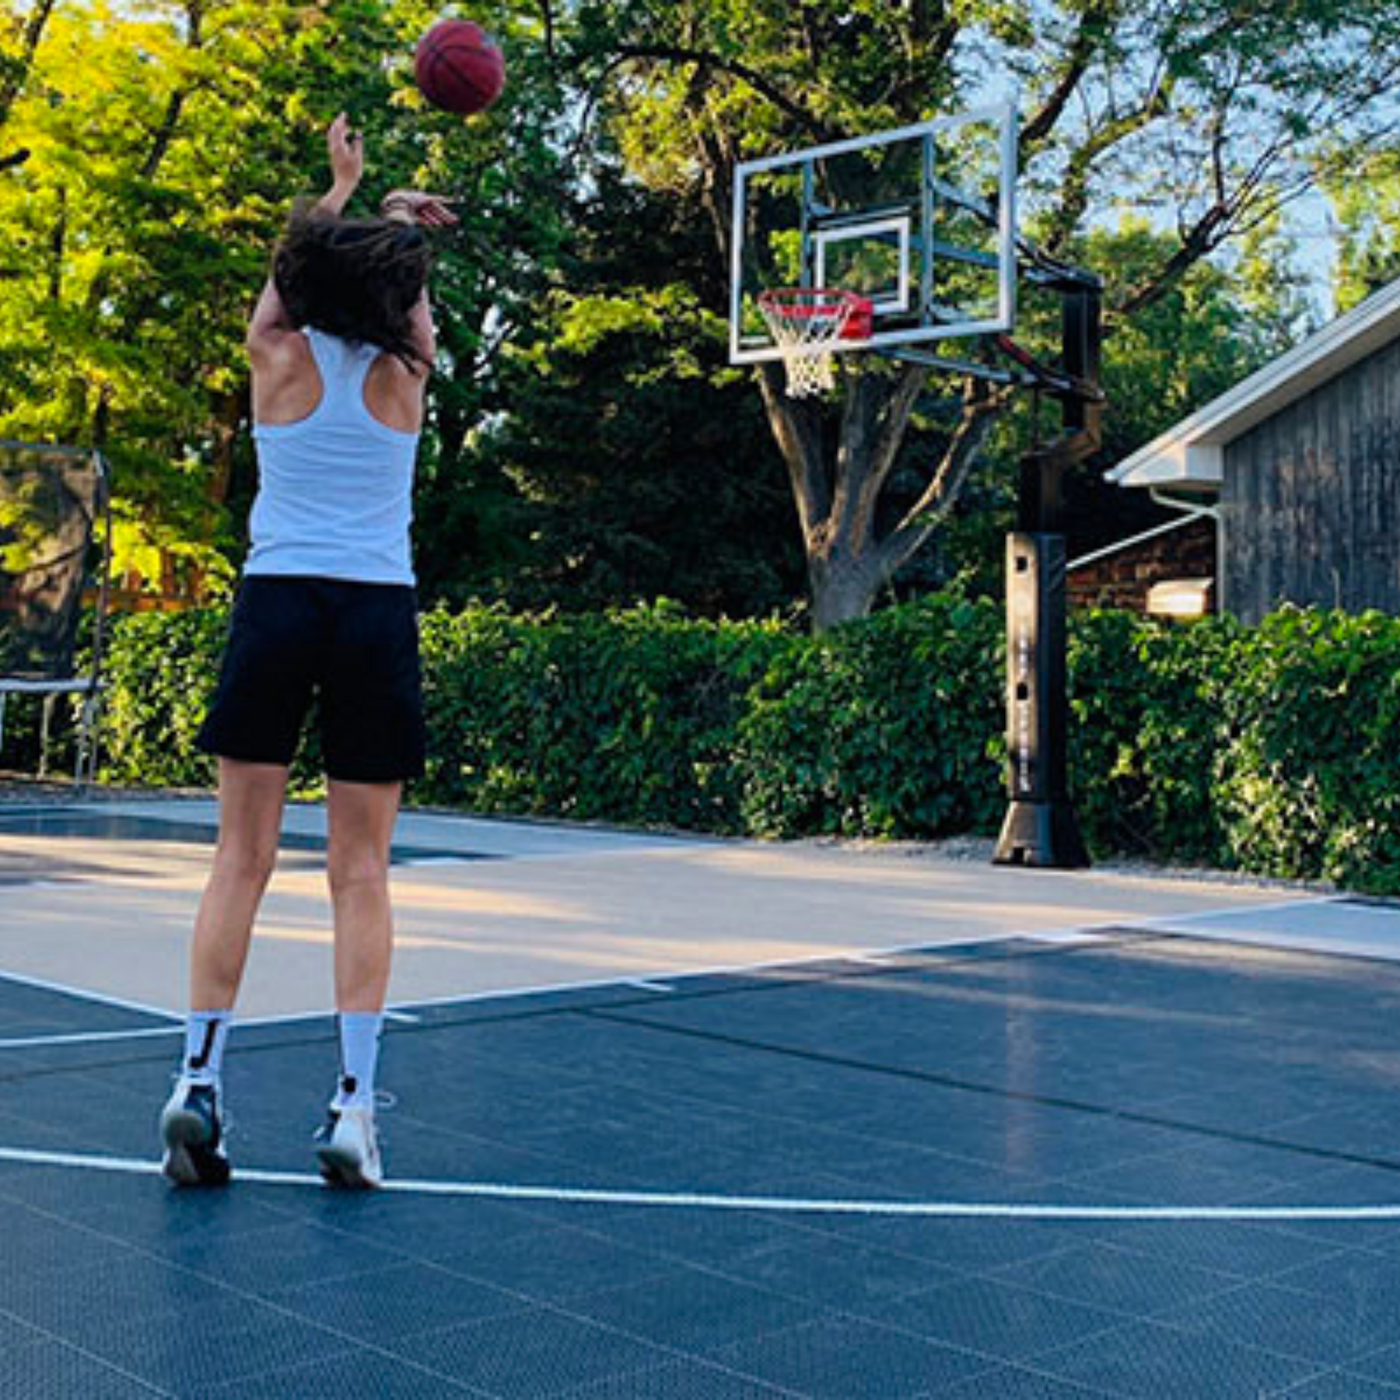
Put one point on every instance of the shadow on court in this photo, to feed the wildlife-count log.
(1136, 1165)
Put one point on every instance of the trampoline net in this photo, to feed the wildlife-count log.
(50, 498)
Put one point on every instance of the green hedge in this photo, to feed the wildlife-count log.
(1268, 749)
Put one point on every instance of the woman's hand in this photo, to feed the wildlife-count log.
(415, 207)
(347, 153)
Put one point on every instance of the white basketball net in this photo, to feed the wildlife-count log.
(805, 322)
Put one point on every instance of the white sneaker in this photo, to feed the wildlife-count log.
(192, 1129)
(348, 1149)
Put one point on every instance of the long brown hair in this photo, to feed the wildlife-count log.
(358, 279)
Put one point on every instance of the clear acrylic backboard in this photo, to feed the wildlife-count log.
(921, 221)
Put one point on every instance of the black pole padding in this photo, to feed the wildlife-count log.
(1040, 827)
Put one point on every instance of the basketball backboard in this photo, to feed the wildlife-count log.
(920, 220)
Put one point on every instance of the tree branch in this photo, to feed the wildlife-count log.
(982, 406)
(670, 53)
(797, 430)
(891, 425)
(1082, 48)
(33, 34)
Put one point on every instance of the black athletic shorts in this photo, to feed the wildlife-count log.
(353, 647)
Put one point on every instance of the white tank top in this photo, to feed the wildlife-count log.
(335, 489)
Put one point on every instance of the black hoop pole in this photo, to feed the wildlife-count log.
(1040, 828)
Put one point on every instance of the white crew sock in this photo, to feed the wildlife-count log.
(359, 1058)
(206, 1034)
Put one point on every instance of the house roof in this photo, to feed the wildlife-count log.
(1191, 454)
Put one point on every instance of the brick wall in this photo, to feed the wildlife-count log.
(1121, 580)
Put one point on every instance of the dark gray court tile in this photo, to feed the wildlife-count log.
(1240, 1249)
(1116, 1279)
(530, 1355)
(50, 1371)
(1150, 1362)
(968, 1245)
(421, 1228)
(712, 1238)
(681, 1380)
(1382, 1364)
(209, 1341)
(66, 1302)
(851, 1360)
(553, 1263)
(838, 1272)
(693, 1311)
(1016, 1383)
(1328, 1331)
(1183, 1178)
(1363, 1281)
(394, 1302)
(1342, 1385)
(1009, 1323)
(40, 1243)
(353, 1374)
(267, 1260)
(15, 1333)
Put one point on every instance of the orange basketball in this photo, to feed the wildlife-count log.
(458, 67)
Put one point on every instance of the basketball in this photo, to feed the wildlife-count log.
(458, 67)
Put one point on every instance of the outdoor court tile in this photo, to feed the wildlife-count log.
(280, 1257)
(412, 1227)
(837, 1272)
(1116, 1279)
(394, 1302)
(47, 1244)
(1017, 1383)
(1342, 1385)
(1241, 1249)
(1364, 1280)
(15, 1334)
(533, 1355)
(65, 1301)
(52, 1369)
(1011, 1324)
(550, 1262)
(710, 1239)
(355, 1373)
(680, 1380)
(1147, 1361)
(1178, 1178)
(852, 1360)
(1336, 1330)
(1382, 1364)
(226, 1338)
(968, 1246)
(695, 1312)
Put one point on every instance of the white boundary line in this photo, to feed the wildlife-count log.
(657, 982)
(795, 1205)
(83, 995)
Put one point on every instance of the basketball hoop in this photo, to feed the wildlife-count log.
(805, 323)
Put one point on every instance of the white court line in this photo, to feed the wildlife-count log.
(874, 956)
(400, 1011)
(796, 1205)
(83, 995)
(34, 1042)
(1236, 911)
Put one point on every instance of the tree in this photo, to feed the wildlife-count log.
(1367, 205)
(1208, 121)
(164, 146)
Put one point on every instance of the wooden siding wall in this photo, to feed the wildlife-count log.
(1310, 504)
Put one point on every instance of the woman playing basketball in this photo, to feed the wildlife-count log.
(341, 344)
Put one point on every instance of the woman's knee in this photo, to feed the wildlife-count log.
(356, 867)
(246, 863)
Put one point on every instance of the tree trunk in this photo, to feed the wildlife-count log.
(843, 586)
